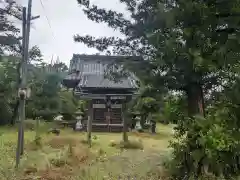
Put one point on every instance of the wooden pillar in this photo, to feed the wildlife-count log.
(108, 117)
(89, 123)
(125, 128)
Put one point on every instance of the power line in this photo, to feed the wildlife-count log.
(49, 24)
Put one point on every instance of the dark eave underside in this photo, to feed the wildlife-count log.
(106, 91)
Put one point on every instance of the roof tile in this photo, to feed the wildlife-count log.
(99, 81)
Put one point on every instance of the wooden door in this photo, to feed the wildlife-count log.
(99, 109)
(116, 116)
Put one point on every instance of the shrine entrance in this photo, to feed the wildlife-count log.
(107, 113)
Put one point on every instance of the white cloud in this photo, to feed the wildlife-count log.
(66, 19)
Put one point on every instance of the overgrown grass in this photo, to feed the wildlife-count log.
(68, 157)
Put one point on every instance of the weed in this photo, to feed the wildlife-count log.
(38, 141)
(101, 152)
(59, 162)
(29, 125)
(30, 170)
(60, 142)
(112, 143)
(84, 141)
(94, 137)
(67, 157)
(130, 145)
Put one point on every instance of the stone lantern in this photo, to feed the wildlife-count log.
(79, 118)
(138, 126)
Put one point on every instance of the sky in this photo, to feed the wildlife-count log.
(66, 19)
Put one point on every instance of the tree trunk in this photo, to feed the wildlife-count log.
(195, 107)
(203, 102)
(195, 100)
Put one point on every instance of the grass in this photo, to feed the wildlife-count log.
(67, 156)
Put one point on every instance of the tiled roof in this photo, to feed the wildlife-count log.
(99, 81)
(89, 69)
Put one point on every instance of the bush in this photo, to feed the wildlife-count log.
(160, 118)
(173, 111)
(208, 145)
(68, 116)
(29, 125)
(47, 114)
(6, 113)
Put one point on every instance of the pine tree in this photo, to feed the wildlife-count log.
(184, 44)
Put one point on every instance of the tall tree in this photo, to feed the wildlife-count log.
(9, 39)
(10, 42)
(179, 51)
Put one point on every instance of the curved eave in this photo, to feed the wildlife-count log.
(71, 80)
(107, 88)
(70, 83)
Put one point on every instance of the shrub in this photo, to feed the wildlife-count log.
(68, 116)
(29, 125)
(47, 114)
(6, 113)
(208, 145)
(38, 141)
(173, 111)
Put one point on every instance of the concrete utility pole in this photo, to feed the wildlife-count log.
(22, 92)
(20, 130)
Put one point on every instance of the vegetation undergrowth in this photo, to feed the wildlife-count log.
(68, 156)
(208, 146)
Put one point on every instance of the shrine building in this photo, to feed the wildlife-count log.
(107, 98)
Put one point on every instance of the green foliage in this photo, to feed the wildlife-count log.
(45, 100)
(176, 51)
(192, 55)
(69, 105)
(9, 32)
(5, 111)
(174, 109)
(48, 100)
(210, 145)
(207, 148)
(147, 105)
(82, 105)
(8, 76)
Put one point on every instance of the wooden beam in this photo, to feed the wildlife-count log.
(89, 124)
(100, 106)
(115, 106)
(101, 96)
